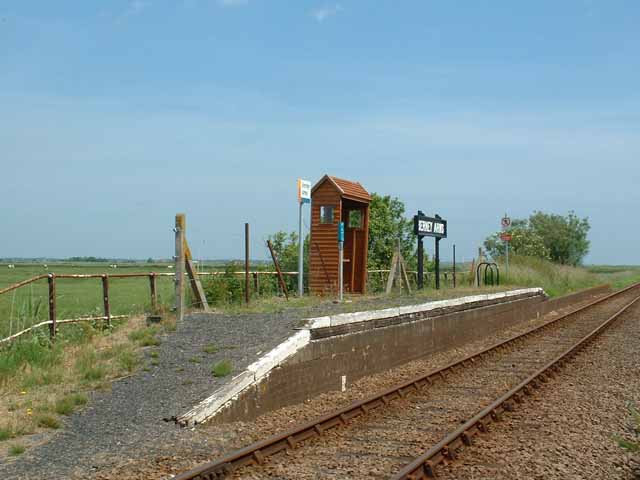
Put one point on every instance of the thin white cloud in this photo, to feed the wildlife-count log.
(134, 7)
(323, 13)
(232, 3)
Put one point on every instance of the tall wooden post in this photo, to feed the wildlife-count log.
(154, 292)
(105, 299)
(179, 267)
(420, 263)
(279, 272)
(52, 305)
(247, 292)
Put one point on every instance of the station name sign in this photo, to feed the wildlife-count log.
(429, 227)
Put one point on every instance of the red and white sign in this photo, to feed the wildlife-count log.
(505, 237)
(506, 222)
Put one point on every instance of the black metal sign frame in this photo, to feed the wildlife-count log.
(424, 226)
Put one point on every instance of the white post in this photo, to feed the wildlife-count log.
(300, 254)
(340, 274)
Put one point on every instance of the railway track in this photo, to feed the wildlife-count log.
(406, 431)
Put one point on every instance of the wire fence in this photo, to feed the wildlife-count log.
(51, 300)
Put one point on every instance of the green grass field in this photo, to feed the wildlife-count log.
(28, 305)
(77, 297)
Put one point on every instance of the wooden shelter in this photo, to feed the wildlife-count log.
(334, 200)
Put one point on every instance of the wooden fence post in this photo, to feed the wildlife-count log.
(179, 266)
(105, 298)
(154, 294)
(279, 272)
(256, 284)
(51, 279)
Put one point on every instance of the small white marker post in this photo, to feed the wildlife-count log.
(304, 196)
(506, 223)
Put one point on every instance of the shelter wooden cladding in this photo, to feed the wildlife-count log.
(344, 196)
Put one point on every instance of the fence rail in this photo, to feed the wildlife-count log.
(53, 322)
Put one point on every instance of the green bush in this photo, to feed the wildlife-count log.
(16, 449)
(224, 289)
(5, 434)
(222, 368)
(48, 421)
(145, 337)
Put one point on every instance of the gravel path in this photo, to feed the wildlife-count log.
(225, 438)
(130, 419)
(567, 430)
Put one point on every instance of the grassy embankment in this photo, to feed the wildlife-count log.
(40, 382)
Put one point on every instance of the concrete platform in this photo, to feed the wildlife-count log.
(328, 353)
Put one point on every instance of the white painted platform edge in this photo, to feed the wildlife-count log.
(356, 317)
(261, 368)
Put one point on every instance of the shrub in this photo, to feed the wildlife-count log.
(222, 368)
(145, 337)
(224, 289)
(64, 406)
(16, 449)
(128, 360)
(48, 421)
(211, 348)
(5, 434)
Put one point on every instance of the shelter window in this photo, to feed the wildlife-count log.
(355, 219)
(326, 214)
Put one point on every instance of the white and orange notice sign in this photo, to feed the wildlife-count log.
(304, 191)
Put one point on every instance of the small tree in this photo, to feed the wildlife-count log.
(562, 239)
(286, 247)
(564, 236)
(387, 225)
(524, 241)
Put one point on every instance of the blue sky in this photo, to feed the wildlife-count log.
(116, 115)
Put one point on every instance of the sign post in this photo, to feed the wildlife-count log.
(304, 196)
(424, 226)
(340, 259)
(506, 238)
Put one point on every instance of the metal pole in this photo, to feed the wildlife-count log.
(454, 265)
(246, 263)
(507, 260)
(300, 254)
(420, 263)
(437, 264)
(340, 273)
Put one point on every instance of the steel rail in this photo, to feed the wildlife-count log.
(424, 466)
(257, 452)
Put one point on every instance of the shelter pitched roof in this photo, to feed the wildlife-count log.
(347, 188)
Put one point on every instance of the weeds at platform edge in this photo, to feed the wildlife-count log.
(222, 368)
